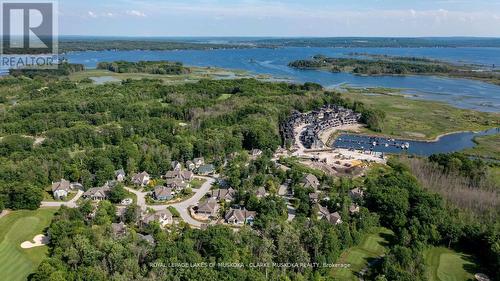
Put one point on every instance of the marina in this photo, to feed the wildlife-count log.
(445, 144)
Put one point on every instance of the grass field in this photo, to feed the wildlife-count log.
(447, 265)
(487, 146)
(416, 119)
(19, 226)
(371, 246)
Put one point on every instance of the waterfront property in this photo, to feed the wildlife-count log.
(326, 117)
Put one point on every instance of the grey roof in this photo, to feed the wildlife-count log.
(223, 194)
(209, 168)
(61, 185)
(140, 177)
(239, 214)
(118, 228)
(148, 238)
(156, 216)
(162, 191)
(311, 180)
(120, 172)
(208, 206)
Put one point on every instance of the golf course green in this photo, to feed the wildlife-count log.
(371, 246)
(444, 264)
(16, 227)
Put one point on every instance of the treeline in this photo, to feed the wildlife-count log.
(62, 69)
(380, 42)
(102, 44)
(151, 67)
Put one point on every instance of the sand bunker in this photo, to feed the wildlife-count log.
(38, 240)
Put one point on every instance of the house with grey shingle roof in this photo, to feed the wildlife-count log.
(61, 189)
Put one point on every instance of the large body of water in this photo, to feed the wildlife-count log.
(445, 144)
(461, 93)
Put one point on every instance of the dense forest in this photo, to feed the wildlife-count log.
(53, 128)
(151, 67)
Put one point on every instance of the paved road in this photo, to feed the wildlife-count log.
(181, 207)
(71, 203)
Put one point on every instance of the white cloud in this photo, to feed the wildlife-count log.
(92, 14)
(135, 13)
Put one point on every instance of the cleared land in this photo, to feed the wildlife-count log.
(417, 119)
(447, 265)
(19, 226)
(372, 246)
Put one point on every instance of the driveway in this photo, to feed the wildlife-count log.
(181, 207)
(71, 203)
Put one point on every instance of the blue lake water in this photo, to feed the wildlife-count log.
(461, 93)
(445, 144)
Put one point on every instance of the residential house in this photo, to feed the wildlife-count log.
(147, 238)
(240, 216)
(163, 217)
(173, 174)
(223, 194)
(176, 165)
(314, 197)
(176, 184)
(120, 175)
(256, 152)
(353, 209)
(61, 189)
(119, 229)
(141, 179)
(190, 165)
(198, 162)
(163, 193)
(311, 181)
(187, 176)
(356, 193)
(261, 192)
(206, 170)
(334, 218)
(97, 193)
(324, 213)
(208, 208)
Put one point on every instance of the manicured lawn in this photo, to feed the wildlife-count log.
(197, 183)
(19, 226)
(444, 264)
(416, 119)
(371, 246)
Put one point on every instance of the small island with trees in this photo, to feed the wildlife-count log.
(369, 64)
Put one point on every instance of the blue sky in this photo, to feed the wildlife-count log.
(280, 17)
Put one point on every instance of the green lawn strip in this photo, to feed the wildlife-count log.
(19, 226)
(447, 265)
(371, 246)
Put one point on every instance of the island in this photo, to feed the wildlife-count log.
(369, 64)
